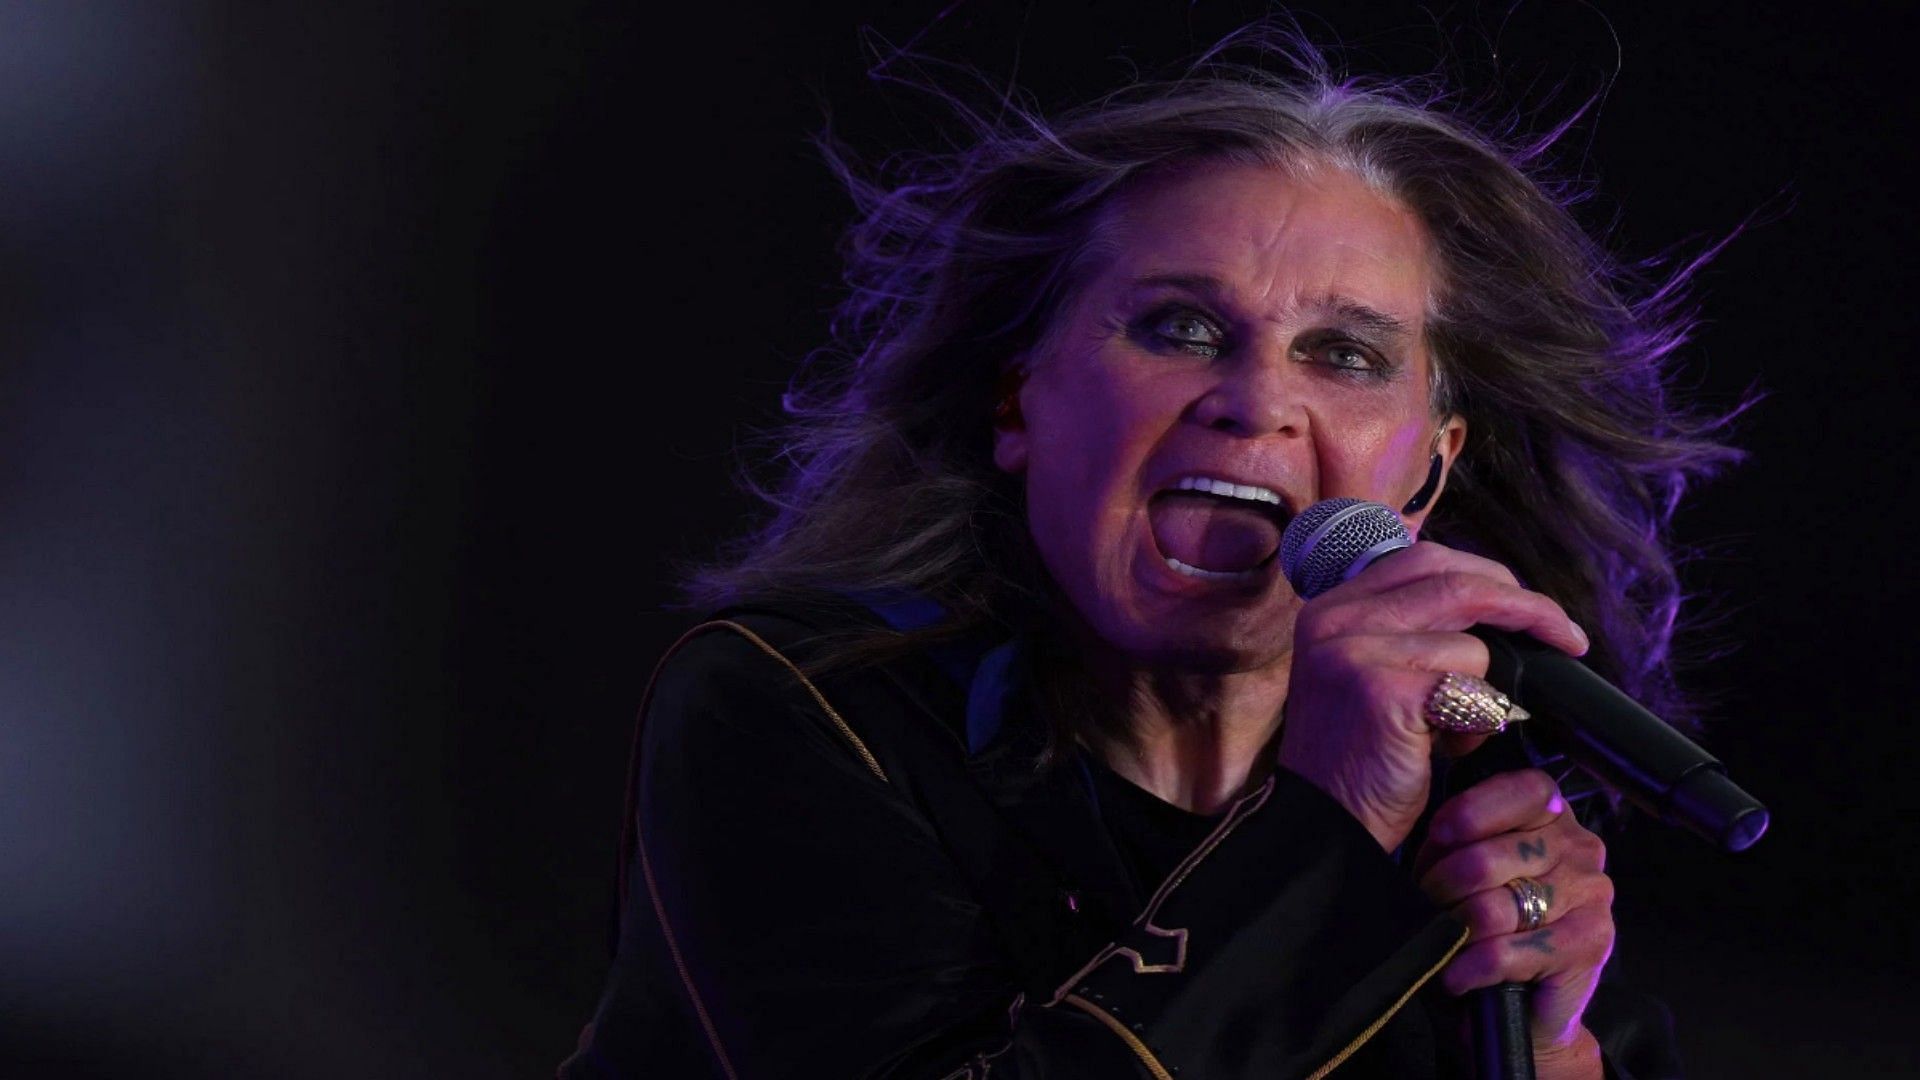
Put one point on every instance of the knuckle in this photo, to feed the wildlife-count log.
(1591, 936)
(1529, 787)
(1447, 879)
(1590, 922)
(1461, 823)
(1475, 965)
(1443, 880)
(1484, 916)
(1591, 849)
(1603, 891)
(1470, 912)
(1463, 588)
(1477, 864)
(1475, 657)
(1536, 784)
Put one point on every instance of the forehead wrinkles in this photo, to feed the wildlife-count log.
(1117, 227)
(1296, 241)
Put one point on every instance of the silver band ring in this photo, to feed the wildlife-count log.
(1530, 896)
(1470, 705)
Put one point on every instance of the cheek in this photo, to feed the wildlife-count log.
(1091, 428)
(1371, 452)
(1399, 449)
(1092, 433)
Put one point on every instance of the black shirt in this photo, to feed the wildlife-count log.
(1151, 834)
(823, 881)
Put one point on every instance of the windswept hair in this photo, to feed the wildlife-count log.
(1558, 354)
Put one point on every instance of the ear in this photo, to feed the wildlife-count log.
(1010, 440)
(1448, 442)
(1010, 448)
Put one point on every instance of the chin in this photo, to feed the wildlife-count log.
(1142, 612)
(1224, 649)
(1204, 635)
(1176, 620)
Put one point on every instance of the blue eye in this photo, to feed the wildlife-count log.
(1350, 357)
(1187, 330)
(1345, 356)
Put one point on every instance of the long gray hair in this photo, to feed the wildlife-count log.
(1557, 354)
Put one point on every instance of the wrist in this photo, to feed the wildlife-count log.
(1576, 1059)
(1388, 832)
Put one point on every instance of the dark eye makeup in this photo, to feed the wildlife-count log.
(1180, 328)
(1185, 329)
(1344, 352)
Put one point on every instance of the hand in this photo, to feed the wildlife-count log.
(1368, 652)
(1513, 825)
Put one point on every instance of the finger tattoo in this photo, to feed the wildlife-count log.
(1538, 942)
(1529, 849)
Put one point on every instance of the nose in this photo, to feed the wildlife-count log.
(1252, 397)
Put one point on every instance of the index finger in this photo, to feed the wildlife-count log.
(1505, 802)
(1447, 600)
(1422, 559)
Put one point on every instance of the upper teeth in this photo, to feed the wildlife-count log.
(1232, 491)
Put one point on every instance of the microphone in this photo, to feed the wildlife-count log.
(1575, 712)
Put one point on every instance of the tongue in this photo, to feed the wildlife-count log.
(1209, 534)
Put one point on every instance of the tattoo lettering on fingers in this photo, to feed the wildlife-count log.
(1538, 941)
(1531, 849)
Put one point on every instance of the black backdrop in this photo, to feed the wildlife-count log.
(365, 371)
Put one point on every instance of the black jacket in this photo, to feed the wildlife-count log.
(822, 881)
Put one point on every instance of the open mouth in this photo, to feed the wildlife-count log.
(1215, 530)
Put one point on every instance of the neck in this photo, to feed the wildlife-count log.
(1198, 741)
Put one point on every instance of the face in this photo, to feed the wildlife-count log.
(1254, 345)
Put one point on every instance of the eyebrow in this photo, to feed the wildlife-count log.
(1348, 310)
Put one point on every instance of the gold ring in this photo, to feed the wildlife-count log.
(1530, 896)
(1469, 704)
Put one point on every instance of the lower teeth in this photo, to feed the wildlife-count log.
(1210, 575)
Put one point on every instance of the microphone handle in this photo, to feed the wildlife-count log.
(1501, 1045)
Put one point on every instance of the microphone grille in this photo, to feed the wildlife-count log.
(1334, 539)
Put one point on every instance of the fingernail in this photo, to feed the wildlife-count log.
(1585, 643)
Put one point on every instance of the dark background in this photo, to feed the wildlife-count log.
(364, 371)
